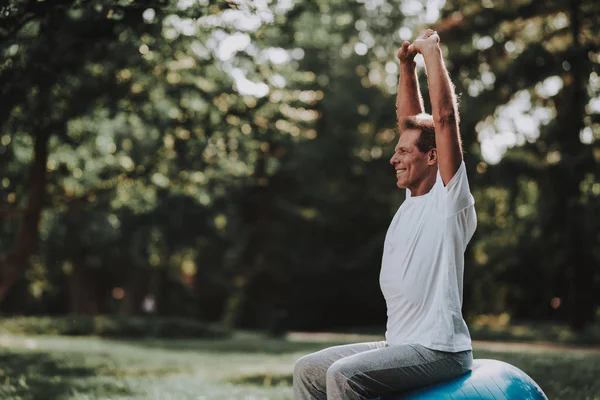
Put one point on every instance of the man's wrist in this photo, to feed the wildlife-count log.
(408, 65)
(431, 50)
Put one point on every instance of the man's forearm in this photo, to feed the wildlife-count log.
(444, 107)
(409, 101)
(445, 113)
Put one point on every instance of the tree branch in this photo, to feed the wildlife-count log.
(460, 27)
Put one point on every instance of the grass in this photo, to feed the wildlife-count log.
(244, 366)
(112, 326)
(500, 327)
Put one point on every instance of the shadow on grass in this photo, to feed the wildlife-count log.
(228, 346)
(263, 380)
(39, 375)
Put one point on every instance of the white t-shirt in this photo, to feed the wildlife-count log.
(423, 265)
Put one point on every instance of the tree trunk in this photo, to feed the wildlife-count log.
(13, 262)
(136, 288)
(162, 290)
(257, 208)
(82, 292)
(581, 288)
(235, 302)
(580, 270)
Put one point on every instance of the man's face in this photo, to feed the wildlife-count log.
(410, 163)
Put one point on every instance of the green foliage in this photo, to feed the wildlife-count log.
(34, 375)
(112, 326)
(529, 78)
(228, 160)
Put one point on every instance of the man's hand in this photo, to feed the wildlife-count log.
(427, 41)
(409, 100)
(404, 55)
(407, 52)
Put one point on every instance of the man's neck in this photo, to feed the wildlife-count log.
(425, 185)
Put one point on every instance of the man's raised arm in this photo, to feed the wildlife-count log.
(409, 101)
(443, 106)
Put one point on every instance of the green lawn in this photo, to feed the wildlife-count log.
(247, 366)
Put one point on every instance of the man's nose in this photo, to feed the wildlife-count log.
(394, 159)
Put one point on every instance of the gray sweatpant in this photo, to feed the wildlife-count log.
(367, 370)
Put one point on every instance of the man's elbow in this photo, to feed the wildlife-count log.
(446, 117)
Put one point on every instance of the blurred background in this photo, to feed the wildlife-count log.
(196, 192)
(227, 162)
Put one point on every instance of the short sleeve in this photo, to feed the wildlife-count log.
(457, 193)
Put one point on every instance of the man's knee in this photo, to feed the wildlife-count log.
(345, 376)
(339, 371)
(304, 365)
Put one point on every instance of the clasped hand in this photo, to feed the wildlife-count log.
(429, 38)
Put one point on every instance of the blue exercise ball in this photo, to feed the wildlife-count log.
(488, 379)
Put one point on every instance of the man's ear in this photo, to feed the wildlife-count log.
(432, 156)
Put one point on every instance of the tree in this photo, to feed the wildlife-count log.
(541, 56)
(164, 119)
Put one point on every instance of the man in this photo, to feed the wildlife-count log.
(427, 340)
